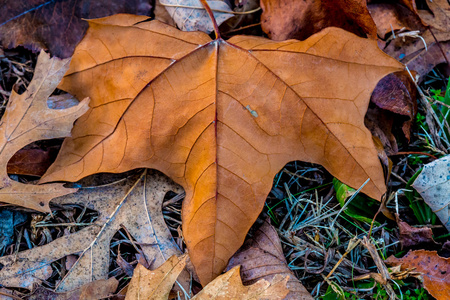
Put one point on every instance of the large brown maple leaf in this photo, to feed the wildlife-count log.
(221, 118)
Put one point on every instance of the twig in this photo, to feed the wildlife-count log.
(62, 224)
(414, 152)
(213, 9)
(439, 45)
(351, 245)
(10, 295)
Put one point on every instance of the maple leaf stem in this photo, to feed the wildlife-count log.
(211, 15)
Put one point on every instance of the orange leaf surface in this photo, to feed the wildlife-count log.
(435, 270)
(221, 118)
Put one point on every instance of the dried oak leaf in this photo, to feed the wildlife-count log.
(261, 257)
(27, 118)
(57, 25)
(293, 19)
(157, 284)
(229, 286)
(221, 118)
(35, 158)
(135, 203)
(435, 270)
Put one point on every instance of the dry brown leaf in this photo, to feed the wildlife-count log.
(162, 15)
(156, 284)
(95, 290)
(229, 287)
(393, 106)
(32, 160)
(262, 257)
(411, 50)
(135, 203)
(221, 118)
(426, 60)
(27, 118)
(438, 16)
(393, 16)
(57, 25)
(410, 236)
(35, 158)
(293, 19)
(435, 270)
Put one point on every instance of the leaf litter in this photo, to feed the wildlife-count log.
(135, 203)
(299, 171)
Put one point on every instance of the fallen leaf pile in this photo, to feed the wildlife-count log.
(235, 113)
(157, 284)
(220, 118)
(134, 203)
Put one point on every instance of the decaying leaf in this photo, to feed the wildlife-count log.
(411, 236)
(391, 17)
(229, 286)
(57, 25)
(161, 14)
(262, 257)
(426, 60)
(393, 105)
(27, 118)
(438, 16)
(423, 50)
(221, 118)
(95, 290)
(32, 160)
(433, 184)
(134, 203)
(196, 18)
(294, 19)
(155, 284)
(435, 270)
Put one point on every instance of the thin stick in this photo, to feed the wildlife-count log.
(211, 16)
(414, 152)
(10, 295)
(439, 45)
(213, 9)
